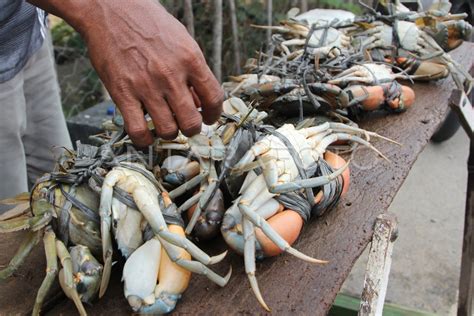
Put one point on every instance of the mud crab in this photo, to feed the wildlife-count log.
(74, 209)
(138, 182)
(292, 162)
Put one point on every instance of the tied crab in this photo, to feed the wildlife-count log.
(74, 210)
(281, 197)
(367, 87)
(210, 156)
(144, 191)
(316, 32)
(197, 167)
(417, 42)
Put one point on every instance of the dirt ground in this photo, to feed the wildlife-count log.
(430, 210)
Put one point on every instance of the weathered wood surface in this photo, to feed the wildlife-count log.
(378, 265)
(288, 284)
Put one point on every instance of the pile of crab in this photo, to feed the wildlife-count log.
(250, 182)
(331, 60)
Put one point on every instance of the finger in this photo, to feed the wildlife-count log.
(196, 100)
(134, 118)
(188, 118)
(135, 125)
(165, 125)
(209, 92)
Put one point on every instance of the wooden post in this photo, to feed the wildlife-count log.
(217, 40)
(188, 16)
(466, 279)
(378, 265)
(304, 5)
(269, 21)
(459, 103)
(235, 36)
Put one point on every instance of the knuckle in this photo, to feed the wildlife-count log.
(168, 134)
(195, 58)
(192, 125)
(122, 89)
(215, 99)
(166, 130)
(166, 73)
(137, 132)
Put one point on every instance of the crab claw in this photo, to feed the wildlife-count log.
(66, 276)
(164, 304)
(176, 170)
(140, 274)
(208, 223)
(87, 273)
(231, 230)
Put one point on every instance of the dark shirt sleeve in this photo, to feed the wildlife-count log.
(7, 8)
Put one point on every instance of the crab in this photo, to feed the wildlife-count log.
(292, 162)
(139, 183)
(74, 209)
(216, 147)
(425, 36)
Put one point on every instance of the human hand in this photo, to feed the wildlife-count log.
(147, 61)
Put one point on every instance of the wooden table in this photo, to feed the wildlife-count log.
(288, 284)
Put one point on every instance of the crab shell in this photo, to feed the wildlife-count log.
(81, 230)
(319, 16)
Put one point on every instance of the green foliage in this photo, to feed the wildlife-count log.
(341, 4)
(80, 84)
(67, 41)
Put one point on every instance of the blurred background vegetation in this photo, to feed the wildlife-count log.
(81, 88)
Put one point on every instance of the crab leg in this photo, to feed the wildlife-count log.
(345, 80)
(340, 127)
(203, 201)
(105, 212)
(16, 224)
(29, 241)
(49, 241)
(190, 202)
(232, 223)
(307, 183)
(173, 280)
(193, 266)
(249, 259)
(187, 185)
(66, 276)
(325, 142)
(155, 218)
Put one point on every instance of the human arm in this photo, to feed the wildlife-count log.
(146, 60)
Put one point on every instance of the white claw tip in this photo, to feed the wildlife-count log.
(256, 291)
(218, 258)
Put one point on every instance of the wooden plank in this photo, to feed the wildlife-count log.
(466, 279)
(378, 265)
(288, 284)
(460, 103)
